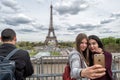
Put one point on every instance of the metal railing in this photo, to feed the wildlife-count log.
(52, 67)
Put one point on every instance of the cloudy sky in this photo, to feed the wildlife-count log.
(30, 18)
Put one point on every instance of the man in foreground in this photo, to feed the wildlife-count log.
(23, 64)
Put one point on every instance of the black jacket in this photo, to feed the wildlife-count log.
(24, 67)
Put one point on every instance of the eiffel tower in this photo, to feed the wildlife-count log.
(51, 31)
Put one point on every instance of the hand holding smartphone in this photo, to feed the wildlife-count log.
(99, 59)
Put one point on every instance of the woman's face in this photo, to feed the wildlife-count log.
(83, 44)
(93, 45)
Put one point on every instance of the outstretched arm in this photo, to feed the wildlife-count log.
(93, 72)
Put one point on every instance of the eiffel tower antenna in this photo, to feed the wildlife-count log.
(51, 30)
(51, 2)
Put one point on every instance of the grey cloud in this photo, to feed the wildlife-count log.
(112, 18)
(72, 27)
(86, 27)
(17, 20)
(117, 15)
(40, 1)
(68, 10)
(77, 31)
(73, 8)
(40, 27)
(57, 27)
(0, 7)
(11, 4)
(43, 27)
(107, 30)
(106, 21)
(26, 31)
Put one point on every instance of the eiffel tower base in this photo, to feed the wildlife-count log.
(51, 41)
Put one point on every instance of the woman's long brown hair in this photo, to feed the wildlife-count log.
(78, 41)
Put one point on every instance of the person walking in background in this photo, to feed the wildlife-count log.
(78, 61)
(94, 45)
(23, 64)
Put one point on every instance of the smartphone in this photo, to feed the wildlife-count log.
(99, 59)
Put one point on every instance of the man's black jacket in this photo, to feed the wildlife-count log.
(23, 64)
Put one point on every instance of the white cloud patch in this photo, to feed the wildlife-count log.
(72, 7)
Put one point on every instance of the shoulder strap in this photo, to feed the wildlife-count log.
(11, 54)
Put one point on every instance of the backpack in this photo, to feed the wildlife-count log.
(66, 74)
(7, 67)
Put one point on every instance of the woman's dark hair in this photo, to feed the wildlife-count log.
(97, 39)
(7, 34)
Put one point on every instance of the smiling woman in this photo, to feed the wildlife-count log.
(94, 45)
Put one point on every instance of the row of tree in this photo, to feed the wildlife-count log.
(111, 44)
